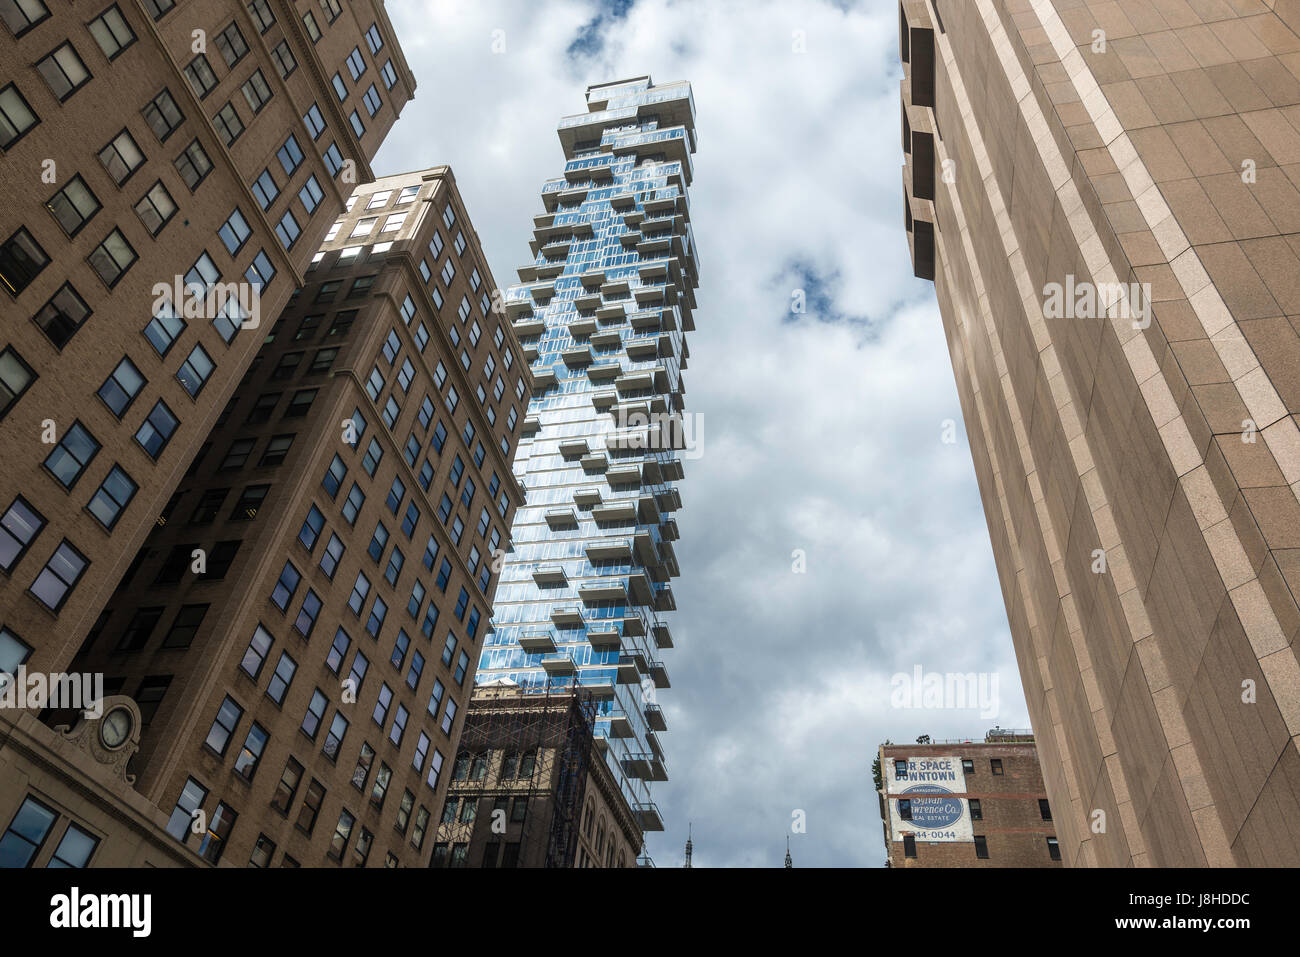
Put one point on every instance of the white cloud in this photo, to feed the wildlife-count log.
(822, 431)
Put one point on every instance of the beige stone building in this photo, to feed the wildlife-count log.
(530, 787)
(1107, 197)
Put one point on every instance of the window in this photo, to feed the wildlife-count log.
(288, 786)
(163, 115)
(356, 63)
(191, 799)
(981, 848)
(28, 830)
(287, 584)
(232, 45)
(1053, 849)
(976, 810)
(257, 92)
(909, 845)
(287, 229)
(357, 126)
(193, 165)
(300, 403)
(284, 59)
(156, 208)
(228, 124)
(69, 458)
(314, 122)
(219, 827)
(313, 29)
(156, 429)
(389, 74)
(311, 806)
(333, 160)
(1044, 809)
(199, 72)
(290, 155)
(16, 117)
(967, 766)
(73, 206)
(372, 100)
(195, 371)
(21, 15)
(311, 194)
(342, 834)
(21, 260)
(185, 626)
(260, 271)
(265, 189)
(139, 628)
(340, 88)
(995, 765)
(250, 500)
(63, 71)
(112, 258)
(262, 15)
(315, 713)
(255, 655)
(263, 851)
(334, 738)
(223, 726)
(19, 527)
(449, 216)
(62, 316)
(112, 497)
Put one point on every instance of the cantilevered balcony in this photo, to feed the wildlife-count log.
(604, 370)
(604, 637)
(620, 726)
(619, 510)
(573, 448)
(537, 641)
(659, 674)
(594, 462)
(654, 717)
(547, 575)
(586, 497)
(605, 589)
(624, 475)
(609, 550)
(627, 672)
(582, 326)
(543, 379)
(566, 616)
(600, 690)
(531, 425)
(559, 666)
(529, 326)
(647, 815)
(588, 300)
(561, 518)
(664, 600)
(577, 356)
(592, 277)
(606, 338)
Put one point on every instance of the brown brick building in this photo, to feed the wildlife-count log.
(302, 626)
(530, 789)
(966, 804)
(135, 153)
(1106, 197)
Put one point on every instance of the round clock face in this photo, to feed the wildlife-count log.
(115, 728)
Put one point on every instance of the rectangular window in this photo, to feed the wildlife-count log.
(16, 116)
(257, 92)
(981, 848)
(73, 206)
(193, 165)
(909, 845)
(314, 122)
(62, 316)
(232, 45)
(1044, 809)
(69, 458)
(156, 208)
(976, 809)
(202, 79)
(163, 115)
(19, 527)
(112, 258)
(63, 71)
(995, 765)
(112, 497)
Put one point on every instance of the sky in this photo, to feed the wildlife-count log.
(831, 538)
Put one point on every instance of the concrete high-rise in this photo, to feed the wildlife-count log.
(603, 312)
(1106, 197)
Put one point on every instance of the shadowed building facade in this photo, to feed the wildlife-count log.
(1106, 197)
(302, 627)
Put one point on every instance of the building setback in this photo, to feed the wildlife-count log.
(309, 682)
(529, 789)
(603, 313)
(144, 144)
(1105, 197)
(984, 804)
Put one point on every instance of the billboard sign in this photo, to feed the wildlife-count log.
(927, 785)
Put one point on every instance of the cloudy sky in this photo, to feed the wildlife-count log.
(822, 429)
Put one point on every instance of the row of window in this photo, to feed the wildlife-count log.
(982, 847)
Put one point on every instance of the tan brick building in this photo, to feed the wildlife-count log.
(146, 143)
(529, 787)
(1107, 197)
(303, 626)
(966, 804)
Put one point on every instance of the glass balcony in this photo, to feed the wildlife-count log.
(537, 641)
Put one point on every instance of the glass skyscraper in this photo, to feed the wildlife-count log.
(602, 314)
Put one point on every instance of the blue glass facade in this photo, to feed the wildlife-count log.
(602, 314)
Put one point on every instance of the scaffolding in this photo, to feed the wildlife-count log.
(555, 723)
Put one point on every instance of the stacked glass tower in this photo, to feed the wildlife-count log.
(602, 314)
